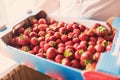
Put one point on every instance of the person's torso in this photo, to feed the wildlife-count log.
(90, 9)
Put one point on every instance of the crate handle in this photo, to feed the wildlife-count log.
(2, 27)
(18, 25)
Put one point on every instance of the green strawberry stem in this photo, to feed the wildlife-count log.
(67, 53)
(53, 44)
(104, 43)
(87, 61)
(101, 29)
(81, 51)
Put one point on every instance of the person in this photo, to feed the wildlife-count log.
(86, 9)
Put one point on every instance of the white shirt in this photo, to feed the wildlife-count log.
(90, 9)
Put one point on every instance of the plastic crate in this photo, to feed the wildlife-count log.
(45, 66)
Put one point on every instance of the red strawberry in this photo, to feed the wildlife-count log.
(58, 41)
(20, 30)
(42, 21)
(23, 40)
(61, 50)
(63, 30)
(91, 49)
(83, 36)
(75, 63)
(86, 57)
(33, 21)
(28, 31)
(64, 38)
(52, 21)
(51, 53)
(109, 46)
(13, 41)
(25, 48)
(96, 25)
(90, 33)
(99, 48)
(101, 31)
(34, 41)
(59, 58)
(69, 27)
(68, 53)
(41, 50)
(52, 43)
(42, 43)
(35, 29)
(41, 33)
(41, 38)
(60, 24)
(42, 27)
(57, 35)
(96, 56)
(75, 25)
(82, 27)
(61, 45)
(40, 54)
(66, 61)
(35, 49)
(91, 66)
(33, 34)
(78, 54)
(46, 46)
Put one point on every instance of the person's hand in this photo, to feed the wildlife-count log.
(109, 23)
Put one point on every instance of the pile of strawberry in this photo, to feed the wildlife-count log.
(70, 44)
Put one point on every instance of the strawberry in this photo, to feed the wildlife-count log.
(96, 25)
(25, 48)
(35, 49)
(41, 33)
(82, 27)
(42, 27)
(33, 34)
(33, 20)
(20, 30)
(35, 28)
(13, 41)
(66, 61)
(28, 31)
(42, 21)
(75, 63)
(23, 40)
(52, 21)
(52, 43)
(51, 53)
(34, 41)
(42, 43)
(40, 54)
(59, 58)
(91, 66)
(68, 53)
(78, 53)
(101, 31)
